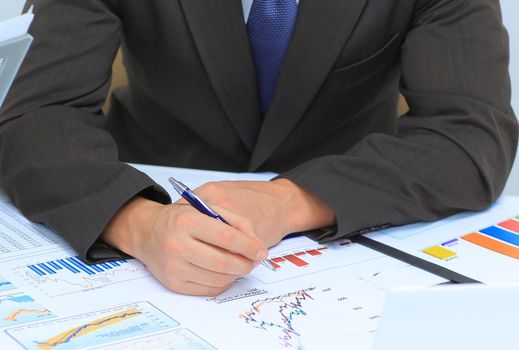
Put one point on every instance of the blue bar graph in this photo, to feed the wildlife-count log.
(106, 266)
(54, 265)
(35, 269)
(503, 235)
(73, 264)
(68, 266)
(80, 266)
(46, 269)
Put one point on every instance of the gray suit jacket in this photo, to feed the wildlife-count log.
(192, 101)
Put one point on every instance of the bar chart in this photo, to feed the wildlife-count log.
(300, 256)
(73, 264)
(502, 238)
(71, 274)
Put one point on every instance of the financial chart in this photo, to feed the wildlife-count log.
(178, 339)
(299, 257)
(51, 299)
(95, 328)
(19, 237)
(20, 308)
(71, 274)
(483, 246)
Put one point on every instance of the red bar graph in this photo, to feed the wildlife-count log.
(512, 225)
(313, 252)
(295, 260)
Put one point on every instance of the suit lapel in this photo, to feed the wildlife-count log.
(322, 30)
(219, 31)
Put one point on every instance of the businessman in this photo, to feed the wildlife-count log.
(305, 88)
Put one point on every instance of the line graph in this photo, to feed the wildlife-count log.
(95, 328)
(283, 309)
(71, 274)
(19, 309)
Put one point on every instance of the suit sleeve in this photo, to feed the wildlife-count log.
(57, 164)
(453, 150)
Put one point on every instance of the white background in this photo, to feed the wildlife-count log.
(10, 8)
(510, 9)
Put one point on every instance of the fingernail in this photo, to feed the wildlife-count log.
(262, 254)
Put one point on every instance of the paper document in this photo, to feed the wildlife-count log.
(483, 245)
(51, 299)
(14, 44)
(450, 317)
(194, 178)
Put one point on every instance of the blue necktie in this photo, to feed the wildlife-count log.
(270, 27)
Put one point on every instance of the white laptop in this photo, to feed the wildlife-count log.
(474, 317)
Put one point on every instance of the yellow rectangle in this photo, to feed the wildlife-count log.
(440, 252)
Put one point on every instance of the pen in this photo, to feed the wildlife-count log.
(195, 201)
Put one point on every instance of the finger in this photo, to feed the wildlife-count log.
(237, 221)
(231, 239)
(192, 288)
(209, 278)
(218, 260)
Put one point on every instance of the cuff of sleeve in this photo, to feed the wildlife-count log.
(100, 251)
(82, 221)
(352, 216)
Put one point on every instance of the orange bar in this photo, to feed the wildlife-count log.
(277, 260)
(492, 244)
(511, 225)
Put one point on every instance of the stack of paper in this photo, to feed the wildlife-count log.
(14, 42)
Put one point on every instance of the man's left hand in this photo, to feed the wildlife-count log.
(275, 208)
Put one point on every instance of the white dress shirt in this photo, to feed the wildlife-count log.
(247, 4)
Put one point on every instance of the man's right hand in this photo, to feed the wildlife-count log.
(188, 252)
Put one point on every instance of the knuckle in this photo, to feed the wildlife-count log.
(247, 226)
(209, 188)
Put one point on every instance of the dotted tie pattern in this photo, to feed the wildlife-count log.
(270, 27)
